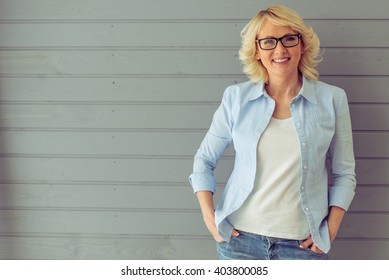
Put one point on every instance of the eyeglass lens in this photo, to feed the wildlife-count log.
(287, 41)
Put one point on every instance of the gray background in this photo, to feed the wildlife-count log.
(104, 103)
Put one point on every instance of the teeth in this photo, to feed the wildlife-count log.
(281, 60)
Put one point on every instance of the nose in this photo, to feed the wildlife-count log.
(280, 48)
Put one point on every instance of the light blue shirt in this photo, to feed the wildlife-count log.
(322, 120)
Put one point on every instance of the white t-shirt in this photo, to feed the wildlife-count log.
(273, 208)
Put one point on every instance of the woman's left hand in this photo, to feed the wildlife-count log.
(308, 244)
(334, 219)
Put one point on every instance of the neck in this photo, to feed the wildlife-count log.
(284, 87)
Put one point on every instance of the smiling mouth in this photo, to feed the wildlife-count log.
(281, 60)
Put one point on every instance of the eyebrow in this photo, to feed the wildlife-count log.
(272, 37)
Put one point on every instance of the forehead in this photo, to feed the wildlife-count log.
(268, 29)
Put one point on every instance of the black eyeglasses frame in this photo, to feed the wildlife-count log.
(279, 40)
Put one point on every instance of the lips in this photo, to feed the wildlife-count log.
(281, 60)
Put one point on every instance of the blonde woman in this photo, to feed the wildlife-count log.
(284, 125)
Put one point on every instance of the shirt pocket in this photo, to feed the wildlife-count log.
(319, 133)
(320, 130)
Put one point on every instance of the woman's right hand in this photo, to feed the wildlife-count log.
(206, 204)
(210, 223)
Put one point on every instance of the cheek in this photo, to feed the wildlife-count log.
(267, 62)
(264, 57)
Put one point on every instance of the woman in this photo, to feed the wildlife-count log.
(284, 124)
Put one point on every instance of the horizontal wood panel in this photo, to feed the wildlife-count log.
(176, 9)
(106, 116)
(119, 144)
(144, 116)
(371, 144)
(365, 226)
(370, 199)
(102, 248)
(360, 249)
(93, 197)
(161, 89)
(117, 89)
(135, 170)
(362, 89)
(100, 222)
(157, 248)
(101, 143)
(157, 197)
(356, 61)
(139, 223)
(335, 33)
(370, 117)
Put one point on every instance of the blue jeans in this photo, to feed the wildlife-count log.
(249, 246)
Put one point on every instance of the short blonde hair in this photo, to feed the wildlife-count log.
(280, 16)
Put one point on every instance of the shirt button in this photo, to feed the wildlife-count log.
(298, 124)
(303, 143)
(306, 208)
(305, 167)
(302, 187)
(293, 105)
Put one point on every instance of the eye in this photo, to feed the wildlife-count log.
(269, 41)
(291, 38)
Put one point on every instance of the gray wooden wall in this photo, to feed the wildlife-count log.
(104, 103)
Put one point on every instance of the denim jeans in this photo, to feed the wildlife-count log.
(249, 246)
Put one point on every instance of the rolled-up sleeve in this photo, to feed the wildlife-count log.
(342, 155)
(217, 139)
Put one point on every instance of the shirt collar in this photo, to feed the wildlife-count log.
(307, 91)
(257, 91)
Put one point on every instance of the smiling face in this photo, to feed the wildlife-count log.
(280, 62)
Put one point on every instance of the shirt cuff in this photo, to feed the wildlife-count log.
(341, 197)
(202, 182)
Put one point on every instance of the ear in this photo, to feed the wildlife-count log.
(257, 56)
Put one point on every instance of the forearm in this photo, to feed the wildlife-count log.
(335, 218)
(205, 199)
(207, 209)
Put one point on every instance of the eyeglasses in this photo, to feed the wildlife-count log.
(287, 41)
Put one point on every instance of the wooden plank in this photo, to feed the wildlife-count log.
(365, 226)
(94, 197)
(101, 248)
(121, 34)
(154, 197)
(116, 144)
(48, 169)
(371, 198)
(356, 61)
(157, 248)
(107, 116)
(149, 222)
(109, 170)
(175, 9)
(360, 249)
(115, 89)
(101, 143)
(362, 89)
(332, 33)
(118, 62)
(371, 144)
(101, 222)
(144, 116)
(368, 89)
(372, 172)
(370, 117)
